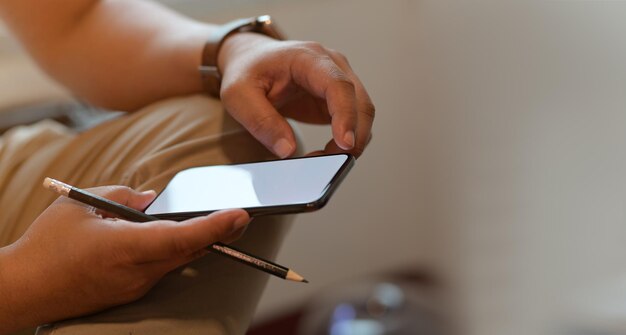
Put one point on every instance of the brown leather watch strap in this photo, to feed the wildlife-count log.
(211, 75)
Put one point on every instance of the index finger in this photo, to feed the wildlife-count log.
(320, 75)
(364, 105)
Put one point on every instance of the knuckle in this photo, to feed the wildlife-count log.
(262, 123)
(343, 58)
(328, 62)
(118, 190)
(313, 46)
(342, 80)
(125, 189)
(369, 109)
(338, 55)
(116, 193)
(336, 73)
(303, 50)
(331, 51)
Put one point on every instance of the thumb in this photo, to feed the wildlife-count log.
(162, 240)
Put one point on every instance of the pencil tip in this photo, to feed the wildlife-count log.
(291, 275)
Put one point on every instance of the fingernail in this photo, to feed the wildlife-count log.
(241, 222)
(282, 148)
(151, 192)
(349, 138)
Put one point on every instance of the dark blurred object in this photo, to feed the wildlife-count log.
(396, 304)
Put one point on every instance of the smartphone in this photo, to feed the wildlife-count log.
(261, 188)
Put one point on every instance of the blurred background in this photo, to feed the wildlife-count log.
(491, 199)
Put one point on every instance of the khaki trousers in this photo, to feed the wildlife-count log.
(143, 150)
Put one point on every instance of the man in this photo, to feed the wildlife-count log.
(127, 55)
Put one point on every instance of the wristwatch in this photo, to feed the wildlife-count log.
(211, 75)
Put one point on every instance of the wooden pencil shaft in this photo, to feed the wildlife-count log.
(112, 207)
(256, 262)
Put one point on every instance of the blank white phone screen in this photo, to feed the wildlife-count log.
(283, 182)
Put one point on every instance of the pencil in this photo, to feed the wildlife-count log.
(131, 214)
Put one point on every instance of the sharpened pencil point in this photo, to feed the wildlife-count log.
(293, 276)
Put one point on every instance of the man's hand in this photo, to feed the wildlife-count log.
(125, 55)
(265, 80)
(74, 261)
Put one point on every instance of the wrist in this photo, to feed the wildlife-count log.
(237, 44)
(14, 312)
(212, 51)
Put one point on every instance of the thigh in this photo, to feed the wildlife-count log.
(144, 150)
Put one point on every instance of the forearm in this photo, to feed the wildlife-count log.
(13, 314)
(33, 292)
(119, 54)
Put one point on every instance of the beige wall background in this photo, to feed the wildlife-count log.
(498, 158)
(372, 224)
